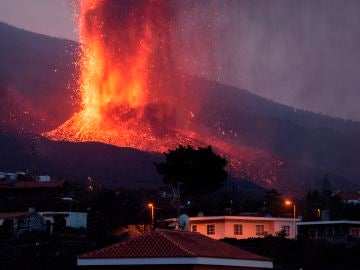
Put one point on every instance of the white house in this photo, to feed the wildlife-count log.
(241, 227)
(350, 197)
(75, 220)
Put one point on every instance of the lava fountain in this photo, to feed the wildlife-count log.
(131, 94)
(125, 73)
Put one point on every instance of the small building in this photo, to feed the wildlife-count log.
(34, 187)
(17, 223)
(173, 250)
(334, 230)
(242, 227)
(350, 197)
(76, 220)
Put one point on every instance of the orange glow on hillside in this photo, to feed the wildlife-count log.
(128, 85)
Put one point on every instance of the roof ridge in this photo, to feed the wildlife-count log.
(163, 234)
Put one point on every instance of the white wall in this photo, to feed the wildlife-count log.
(225, 227)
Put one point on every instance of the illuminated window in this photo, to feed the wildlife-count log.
(210, 229)
(260, 230)
(238, 229)
(194, 228)
(286, 230)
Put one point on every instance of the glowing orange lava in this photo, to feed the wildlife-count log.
(116, 64)
(127, 85)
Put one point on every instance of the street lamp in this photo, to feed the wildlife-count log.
(151, 206)
(289, 203)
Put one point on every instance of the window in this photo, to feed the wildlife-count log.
(260, 230)
(194, 228)
(329, 232)
(238, 229)
(355, 232)
(286, 230)
(210, 229)
(312, 233)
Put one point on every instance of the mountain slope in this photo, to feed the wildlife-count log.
(40, 69)
(308, 144)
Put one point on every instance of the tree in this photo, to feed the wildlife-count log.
(274, 202)
(195, 172)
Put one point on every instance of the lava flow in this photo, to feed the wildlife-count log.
(128, 85)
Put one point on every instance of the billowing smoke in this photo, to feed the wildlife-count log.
(301, 53)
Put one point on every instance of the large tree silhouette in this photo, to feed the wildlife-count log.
(194, 172)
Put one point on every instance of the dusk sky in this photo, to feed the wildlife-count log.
(50, 17)
(301, 53)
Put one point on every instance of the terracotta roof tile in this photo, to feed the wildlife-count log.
(32, 184)
(12, 215)
(163, 243)
(350, 195)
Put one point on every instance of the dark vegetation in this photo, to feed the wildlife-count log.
(303, 254)
(194, 172)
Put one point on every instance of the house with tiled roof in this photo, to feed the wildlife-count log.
(350, 197)
(165, 249)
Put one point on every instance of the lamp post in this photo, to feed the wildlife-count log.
(151, 206)
(289, 203)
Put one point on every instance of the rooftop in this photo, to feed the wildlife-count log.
(354, 195)
(31, 184)
(182, 247)
(262, 218)
(329, 222)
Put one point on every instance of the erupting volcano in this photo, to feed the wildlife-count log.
(131, 93)
(125, 77)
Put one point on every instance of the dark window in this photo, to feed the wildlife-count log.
(210, 229)
(194, 228)
(329, 231)
(286, 230)
(312, 232)
(260, 230)
(238, 229)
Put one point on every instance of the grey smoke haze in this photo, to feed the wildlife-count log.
(302, 53)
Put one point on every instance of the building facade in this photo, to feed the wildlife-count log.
(242, 227)
(334, 230)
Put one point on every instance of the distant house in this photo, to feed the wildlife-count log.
(350, 197)
(76, 220)
(17, 223)
(173, 250)
(335, 230)
(34, 187)
(242, 227)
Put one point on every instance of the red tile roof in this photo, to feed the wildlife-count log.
(350, 195)
(163, 243)
(32, 184)
(12, 215)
